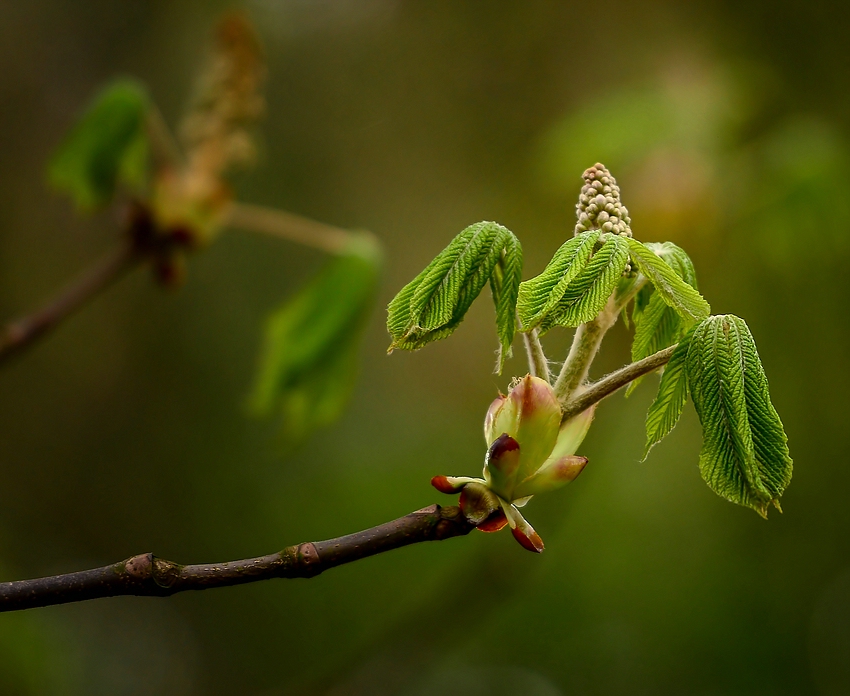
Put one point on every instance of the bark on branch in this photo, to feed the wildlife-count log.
(150, 576)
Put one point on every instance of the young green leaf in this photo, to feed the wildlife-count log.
(308, 365)
(672, 394)
(744, 456)
(108, 145)
(434, 303)
(677, 258)
(657, 324)
(587, 294)
(504, 286)
(540, 295)
(657, 327)
(673, 289)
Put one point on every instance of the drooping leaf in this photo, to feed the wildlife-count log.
(538, 296)
(590, 290)
(672, 394)
(641, 301)
(308, 364)
(744, 456)
(678, 259)
(504, 286)
(434, 303)
(107, 146)
(657, 324)
(676, 292)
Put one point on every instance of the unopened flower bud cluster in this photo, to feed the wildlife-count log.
(599, 206)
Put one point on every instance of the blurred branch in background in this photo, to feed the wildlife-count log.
(23, 333)
(179, 203)
(288, 226)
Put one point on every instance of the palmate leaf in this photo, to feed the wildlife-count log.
(308, 364)
(107, 146)
(434, 303)
(744, 457)
(671, 397)
(587, 279)
(673, 289)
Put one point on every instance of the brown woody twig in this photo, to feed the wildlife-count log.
(147, 575)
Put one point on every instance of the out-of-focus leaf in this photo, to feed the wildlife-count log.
(107, 146)
(744, 455)
(433, 304)
(308, 365)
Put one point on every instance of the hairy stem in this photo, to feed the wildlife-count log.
(585, 345)
(148, 575)
(538, 364)
(294, 228)
(616, 380)
(23, 332)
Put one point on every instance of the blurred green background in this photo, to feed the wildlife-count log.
(727, 127)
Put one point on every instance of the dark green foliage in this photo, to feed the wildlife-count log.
(308, 365)
(434, 303)
(107, 146)
(744, 456)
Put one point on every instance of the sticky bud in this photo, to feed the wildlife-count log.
(478, 502)
(531, 542)
(442, 484)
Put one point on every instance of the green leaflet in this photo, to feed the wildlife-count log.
(504, 286)
(675, 291)
(434, 303)
(308, 363)
(657, 324)
(657, 327)
(108, 145)
(576, 284)
(541, 294)
(672, 394)
(677, 258)
(588, 293)
(744, 457)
